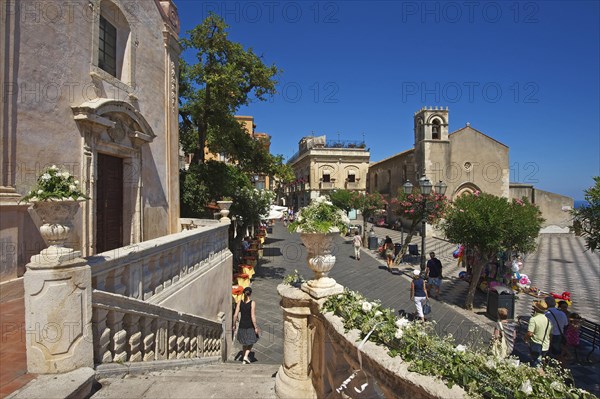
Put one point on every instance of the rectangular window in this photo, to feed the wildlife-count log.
(326, 178)
(351, 178)
(107, 47)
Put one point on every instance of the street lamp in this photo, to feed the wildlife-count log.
(426, 186)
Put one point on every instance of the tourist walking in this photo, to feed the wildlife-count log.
(558, 321)
(356, 243)
(433, 273)
(247, 331)
(538, 333)
(418, 293)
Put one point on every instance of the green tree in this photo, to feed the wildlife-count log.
(586, 220)
(342, 199)
(487, 224)
(367, 204)
(225, 77)
(203, 183)
(414, 207)
(249, 204)
(283, 174)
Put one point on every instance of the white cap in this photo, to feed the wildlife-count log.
(416, 272)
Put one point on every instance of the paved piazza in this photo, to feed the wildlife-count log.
(559, 264)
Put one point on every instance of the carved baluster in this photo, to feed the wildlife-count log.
(180, 340)
(181, 260)
(119, 336)
(99, 282)
(130, 322)
(114, 281)
(186, 341)
(148, 326)
(193, 341)
(147, 276)
(172, 340)
(175, 267)
(101, 336)
(166, 270)
(162, 339)
(201, 343)
(157, 274)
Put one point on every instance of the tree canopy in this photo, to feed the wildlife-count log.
(487, 224)
(415, 207)
(587, 218)
(225, 77)
(342, 199)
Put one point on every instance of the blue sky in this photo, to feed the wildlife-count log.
(526, 73)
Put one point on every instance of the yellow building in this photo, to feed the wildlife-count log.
(322, 166)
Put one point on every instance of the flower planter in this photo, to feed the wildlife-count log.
(320, 260)
(224, 206)
(57, 222)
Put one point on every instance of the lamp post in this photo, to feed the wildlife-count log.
(425, 187)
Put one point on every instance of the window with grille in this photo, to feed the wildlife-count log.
(107, 47)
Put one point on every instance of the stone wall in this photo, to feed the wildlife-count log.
(555, 208)
(53, 70)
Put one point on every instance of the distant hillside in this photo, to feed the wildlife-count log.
(580, 203)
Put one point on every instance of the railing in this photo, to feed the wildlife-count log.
(390, 375)
(143, 270)
(352, 185)
(327, 185)
(352, 144)
(130, 330)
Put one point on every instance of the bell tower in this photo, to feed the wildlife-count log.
(432, 147)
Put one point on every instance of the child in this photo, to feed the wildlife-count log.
(572, 336)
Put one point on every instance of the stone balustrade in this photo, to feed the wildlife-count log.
(131, 330)
(145, 269)
(321, 359)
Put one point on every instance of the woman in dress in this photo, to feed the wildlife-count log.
(248, 331)
(418, 292)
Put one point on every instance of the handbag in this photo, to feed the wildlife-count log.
(426, 308)
(498, 346)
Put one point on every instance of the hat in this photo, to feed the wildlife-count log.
(416, 272)
(540, 306)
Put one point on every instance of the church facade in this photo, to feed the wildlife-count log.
(93, 92)
(466, 160)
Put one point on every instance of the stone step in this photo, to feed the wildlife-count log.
(230, 379)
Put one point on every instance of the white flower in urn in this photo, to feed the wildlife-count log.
(460, 348)
(320, 216)
(402, 322)
(54, 184)
(378, 313)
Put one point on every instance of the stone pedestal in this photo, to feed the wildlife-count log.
(58, 316)
(294, 378)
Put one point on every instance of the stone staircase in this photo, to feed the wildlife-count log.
(217, 380)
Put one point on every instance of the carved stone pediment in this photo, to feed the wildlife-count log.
(119, 121)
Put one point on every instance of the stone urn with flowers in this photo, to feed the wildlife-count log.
(318, 224)
(55, 200)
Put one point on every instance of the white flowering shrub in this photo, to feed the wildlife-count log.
(55, 184)
(477, 372)
(320, 216)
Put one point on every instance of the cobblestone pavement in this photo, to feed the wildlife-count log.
(284, 253)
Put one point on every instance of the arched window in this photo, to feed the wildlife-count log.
(435, 129)
(115, 49)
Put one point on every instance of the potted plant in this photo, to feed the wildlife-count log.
(55, 199)
(318, 224)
